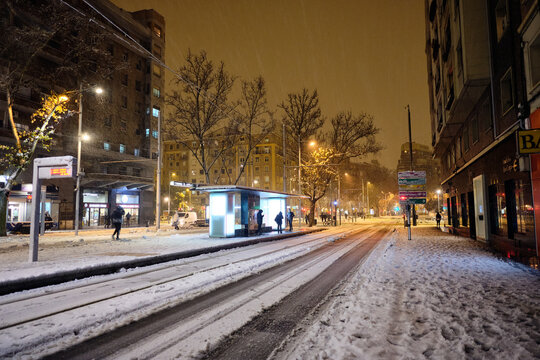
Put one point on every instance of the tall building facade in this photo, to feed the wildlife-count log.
(476, 79)
(119, 160)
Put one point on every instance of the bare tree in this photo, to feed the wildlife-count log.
(255, 122)
(353, 136)
(201, 114)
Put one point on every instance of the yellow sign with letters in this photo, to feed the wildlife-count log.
(529, 141)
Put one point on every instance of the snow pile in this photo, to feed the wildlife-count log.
(437, 296)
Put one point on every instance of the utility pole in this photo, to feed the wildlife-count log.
(79, 145)
(158, 176)
(411, 156)
(299, 182)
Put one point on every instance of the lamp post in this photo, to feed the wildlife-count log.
(80, 137)
(171, 174)
(438, 200)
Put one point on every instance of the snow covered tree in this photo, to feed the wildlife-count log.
(18, 157)
(317, 173)
(44, 45)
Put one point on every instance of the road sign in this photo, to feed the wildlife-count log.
(412, 201)
(411, 178)
(412, 194)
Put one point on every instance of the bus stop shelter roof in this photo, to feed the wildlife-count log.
(263, 193)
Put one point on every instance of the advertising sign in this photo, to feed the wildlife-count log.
(412, 187)
(529, 141)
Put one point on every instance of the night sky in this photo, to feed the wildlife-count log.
(361, 55)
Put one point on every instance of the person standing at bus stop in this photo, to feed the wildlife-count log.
(290, 217)
(117, 218)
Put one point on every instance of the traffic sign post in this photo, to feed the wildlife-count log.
(46, 168)
(412, 190)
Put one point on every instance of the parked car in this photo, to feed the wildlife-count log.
(183, 219)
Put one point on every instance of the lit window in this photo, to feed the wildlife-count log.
(136, 152)
(156, 30)
(147, 132)
(155, 134)
(122, 148)
(106, 146)
(156, 92)
(155, 112)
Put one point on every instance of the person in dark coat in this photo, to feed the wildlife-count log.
(438, 217)
(279, 222)
(117, 218)
(259, 221)
(290, 216)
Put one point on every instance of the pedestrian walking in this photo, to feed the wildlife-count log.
(259, 221)
(279, 221)
(107, 221)
(438, 217)
(128, 217)
(290, 217)
(117, 218)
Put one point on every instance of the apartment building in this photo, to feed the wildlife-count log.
(119, 160)
(476, 88)
(263, 169)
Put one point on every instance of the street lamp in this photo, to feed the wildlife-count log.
(367, 195)
(168, 200)
(80, 138)
(171, 173)
(438, 200)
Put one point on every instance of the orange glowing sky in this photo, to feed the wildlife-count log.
(361, 55)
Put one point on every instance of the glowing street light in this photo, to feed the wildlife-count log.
(438, 200)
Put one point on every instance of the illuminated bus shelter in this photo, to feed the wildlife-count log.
(233, 209)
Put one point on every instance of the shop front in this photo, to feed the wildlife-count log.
(20, 204)
(129, 201)
(95, 208)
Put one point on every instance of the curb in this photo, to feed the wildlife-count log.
(17, 285)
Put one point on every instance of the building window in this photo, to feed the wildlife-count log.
(138, 65)
(107, 121)
(156, 92)
(266, 169)
(507, 92)
(106, 146)
(137, 85)
(147, 132)
(125, 80)
(157, 51)
(124, 102)
(266, 159)
(156, 30)
(122, 170)
(466, 139)
(256, 168)
(125, 56)
(257, 159)
(136, 152)
(458, 148)
(501, 18)
(122, 148)
(155, 112)
(485, 115)
(157, 70)
(155, 134)
(474, 129)
(123, 124)
(137, 172)
(267, 179)
(534, 62)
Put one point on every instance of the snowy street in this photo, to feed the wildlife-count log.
(437, 296)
